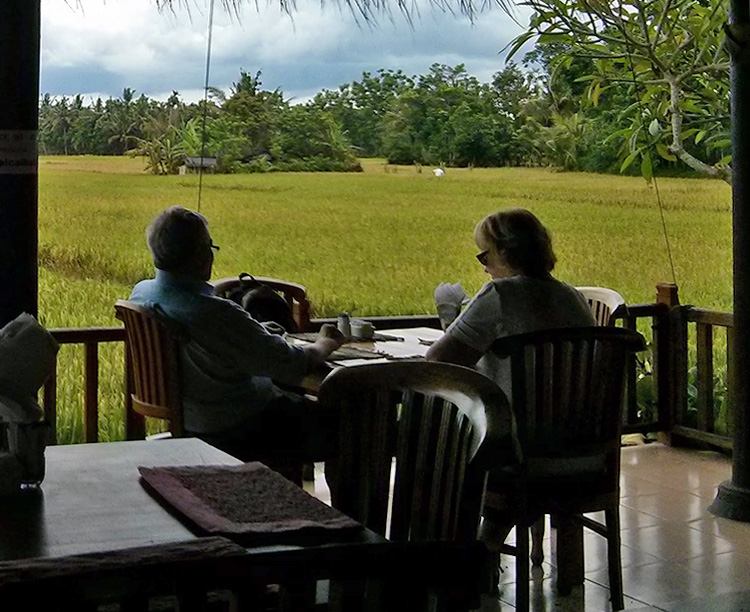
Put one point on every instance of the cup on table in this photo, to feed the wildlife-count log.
(362, 330)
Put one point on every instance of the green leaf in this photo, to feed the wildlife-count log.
(551, 38)
(519, 42)
(595, 93)
(629, 160)
(700, 136)
(647, 170)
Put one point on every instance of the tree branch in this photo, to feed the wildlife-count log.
(677, 148)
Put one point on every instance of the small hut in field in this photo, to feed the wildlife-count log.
(191, 165)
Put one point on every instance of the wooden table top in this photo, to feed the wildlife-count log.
(91, 500)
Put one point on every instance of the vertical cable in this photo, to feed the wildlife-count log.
(653, 177)
(205, 100)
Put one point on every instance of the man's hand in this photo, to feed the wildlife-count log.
(329, 339)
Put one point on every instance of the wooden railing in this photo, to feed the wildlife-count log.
(90, 338)
(666, 364)
(706, 322)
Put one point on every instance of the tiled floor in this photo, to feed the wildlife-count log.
(676, 555)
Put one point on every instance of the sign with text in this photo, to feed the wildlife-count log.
(18, 152)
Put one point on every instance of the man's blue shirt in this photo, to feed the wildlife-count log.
(228, 359)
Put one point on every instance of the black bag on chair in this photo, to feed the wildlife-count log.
(262, 302)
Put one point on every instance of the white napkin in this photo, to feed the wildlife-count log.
(449, 297)
(27, 358)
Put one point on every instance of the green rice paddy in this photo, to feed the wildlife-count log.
(372, 243)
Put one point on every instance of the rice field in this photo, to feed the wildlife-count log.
(373, 243)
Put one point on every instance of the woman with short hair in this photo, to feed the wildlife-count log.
(516, 251)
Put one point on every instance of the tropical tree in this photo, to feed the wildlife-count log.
(669, 54)
(361, 106)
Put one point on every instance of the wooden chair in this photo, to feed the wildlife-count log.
(153, 369)
(153, 376)
(567, 400)
(294, 294)
(604, 303)
(438, 420)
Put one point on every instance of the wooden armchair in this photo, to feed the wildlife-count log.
(294, 294)
(567, 400)
(153, 373)
(603, 302)
(438, 420)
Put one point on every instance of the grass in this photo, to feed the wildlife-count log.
(375, 243)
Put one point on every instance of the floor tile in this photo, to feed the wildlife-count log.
(732, 602)
(658, 584)
(736, 532)
(595, 555)
(673, 541)
(544, 598)
(728, 571)
(673, 505)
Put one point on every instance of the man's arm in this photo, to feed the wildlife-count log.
(328, 340)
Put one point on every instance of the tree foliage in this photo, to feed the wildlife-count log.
(561, 110)
(667, 55)
(250, 129)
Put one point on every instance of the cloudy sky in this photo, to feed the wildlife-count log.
(98, 47)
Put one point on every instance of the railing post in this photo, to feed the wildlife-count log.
(671, 355)
(91, 399)
(50, 406)
(705, 377)
(135, 424)
(631, 383)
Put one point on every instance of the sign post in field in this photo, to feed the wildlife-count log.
(19, 121)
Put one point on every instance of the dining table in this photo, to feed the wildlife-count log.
(385, 345)
(93, 532)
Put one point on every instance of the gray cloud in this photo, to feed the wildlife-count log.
(104, 47)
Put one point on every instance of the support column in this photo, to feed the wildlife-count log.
(19, 121)
(733, 498)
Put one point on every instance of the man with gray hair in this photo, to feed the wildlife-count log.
(229, 360)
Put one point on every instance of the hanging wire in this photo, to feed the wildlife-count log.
(205, 100)
(653, 177)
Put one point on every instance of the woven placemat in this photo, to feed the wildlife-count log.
(249, 503)
(349, 352)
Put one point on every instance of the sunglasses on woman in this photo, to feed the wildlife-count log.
(482, 257)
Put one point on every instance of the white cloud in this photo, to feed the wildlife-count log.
(106, 46)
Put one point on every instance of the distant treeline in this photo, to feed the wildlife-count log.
(444, 117)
